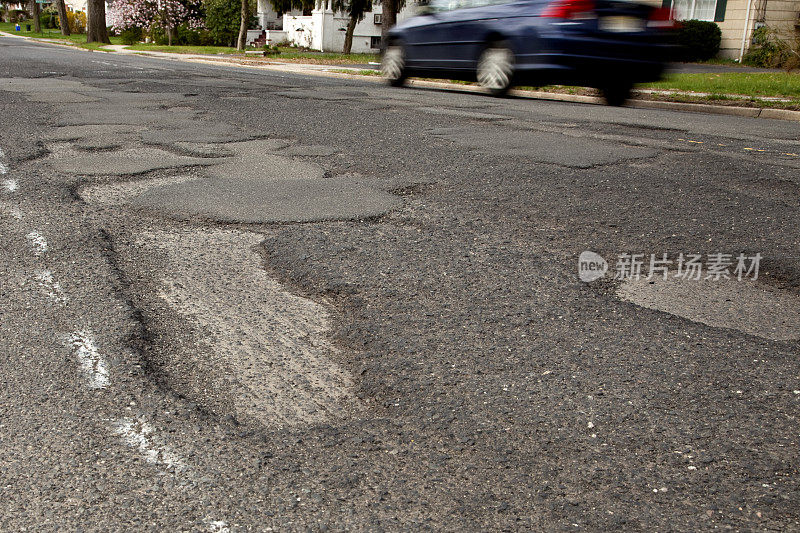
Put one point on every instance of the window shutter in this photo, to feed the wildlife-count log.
(719, 13)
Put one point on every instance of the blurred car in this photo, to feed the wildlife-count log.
(607, 44)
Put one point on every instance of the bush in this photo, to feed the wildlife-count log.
(48, 20)
(131, 36)
(768, 49)
(222, 20)
(699, 40)
(76, 20)
(187, 36)
(18, 15)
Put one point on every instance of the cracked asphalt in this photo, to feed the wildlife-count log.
(242, 300)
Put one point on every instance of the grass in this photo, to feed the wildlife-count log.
(287, 53)
(781, 84)
(357, 72)
(205, 50)
(294, 54)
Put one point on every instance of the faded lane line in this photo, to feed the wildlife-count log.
(137, 433)
(88, 355)
(51, 287)
(216, 526)
(38, 242)
(10, 210)
(9, 185)
(3, 168)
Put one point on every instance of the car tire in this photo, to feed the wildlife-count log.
(616, 94)
(495, 70)
(393, 65)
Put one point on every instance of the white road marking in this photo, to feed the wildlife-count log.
(9, 185)
(51, 287)
(3, 167)
(10, 210)
(137, 433)
(92, 364)
(216, 526)
(38, 242)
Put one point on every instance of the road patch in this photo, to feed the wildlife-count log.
(750, 307)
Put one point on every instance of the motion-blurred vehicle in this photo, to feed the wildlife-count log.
(606, 44)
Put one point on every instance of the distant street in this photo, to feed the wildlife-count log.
(245, 300)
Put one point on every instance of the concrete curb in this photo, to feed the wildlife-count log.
(318, 70)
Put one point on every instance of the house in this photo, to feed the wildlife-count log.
(76, 5)
(739, 18)
(323, 29)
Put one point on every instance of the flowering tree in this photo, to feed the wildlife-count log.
(151, 14)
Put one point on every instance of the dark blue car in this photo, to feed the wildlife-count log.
(607, 44)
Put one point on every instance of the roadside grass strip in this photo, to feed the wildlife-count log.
(93, 366)
(753, 84)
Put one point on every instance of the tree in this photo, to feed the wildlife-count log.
(355, 9)
(62, 17)
(223, 20)
(154, 16)
(37, 24)
(243, 23)
(96, 31)
(284, 6)
(389, 17)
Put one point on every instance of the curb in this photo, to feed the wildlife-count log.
(746, 112)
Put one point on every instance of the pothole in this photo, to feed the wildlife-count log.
(121, 192)
(121, 162)
(747, 306)
(269, 345)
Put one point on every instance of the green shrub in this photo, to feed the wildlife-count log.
(767, 49)
(48, 21)
(699, 40)
(131, 36)
(18, 15)
(271, 49)
(188, 36)
(222, 20)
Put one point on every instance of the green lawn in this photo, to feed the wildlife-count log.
(747, 83)
(286, 53)
(209, 50)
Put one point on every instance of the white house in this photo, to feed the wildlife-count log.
(76, 5)
(324, 29)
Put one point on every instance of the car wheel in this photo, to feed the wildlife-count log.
(617, 93)
(393, 65)
(496, 68)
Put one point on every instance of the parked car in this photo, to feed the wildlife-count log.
(607, 44)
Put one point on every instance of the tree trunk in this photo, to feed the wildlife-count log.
(348, 35)
(37, 24)
(389, 19)
(62, 17)
(96, 31)
(242, 41)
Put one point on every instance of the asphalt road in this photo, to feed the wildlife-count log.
(249, 301)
